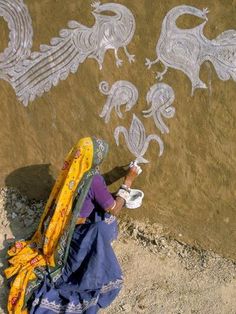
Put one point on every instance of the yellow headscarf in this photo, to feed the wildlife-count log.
(46, 250)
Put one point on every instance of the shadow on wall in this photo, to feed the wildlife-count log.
(115, 174)
(34, 181)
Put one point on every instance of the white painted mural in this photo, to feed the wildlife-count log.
(32, 74)
(136, 139)
(161, 97)
(120, 93)
(187, 49)
(18, 19)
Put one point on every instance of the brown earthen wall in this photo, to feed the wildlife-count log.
(191, 189)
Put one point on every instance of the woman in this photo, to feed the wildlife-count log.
(69, 266)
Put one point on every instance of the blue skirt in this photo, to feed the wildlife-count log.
(92, 277)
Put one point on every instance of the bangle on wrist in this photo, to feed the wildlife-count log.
(123, 194)
(125, 187)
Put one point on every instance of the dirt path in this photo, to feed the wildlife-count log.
(161, 275)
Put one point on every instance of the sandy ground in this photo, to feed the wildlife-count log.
(172, 278)
(161, 275)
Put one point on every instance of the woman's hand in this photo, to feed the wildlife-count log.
(133, 172)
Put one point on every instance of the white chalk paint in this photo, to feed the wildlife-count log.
(161, 97)
(119, 94)
(32, 74)
(136, 139)
(187, 49)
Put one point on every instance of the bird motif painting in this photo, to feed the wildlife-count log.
(119, 94)
(33, 73)
(161, 97)
(187, 49)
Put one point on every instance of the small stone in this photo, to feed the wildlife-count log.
(5, 223)
(14, 197)
(28, 222)
(30, 212)
(126, 308)
(18, 205)
(163, 241)
(13, 215)
(135, 232)
(1, 280)
(23, 212)
(142, 306)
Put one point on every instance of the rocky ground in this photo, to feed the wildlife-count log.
(162, 275)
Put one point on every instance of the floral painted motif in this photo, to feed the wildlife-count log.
(65, 165)
(71, 184)
(14, 300)
(100, 149)
(19, 245)
(80, 307)
(77, 153)
(63, 212)
(34, 261)
(136, 139)
(109, 220)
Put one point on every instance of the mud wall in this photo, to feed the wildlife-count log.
(191, 188)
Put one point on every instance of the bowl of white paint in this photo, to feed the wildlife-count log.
(135, 199)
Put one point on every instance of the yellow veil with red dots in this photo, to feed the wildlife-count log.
(47, 251)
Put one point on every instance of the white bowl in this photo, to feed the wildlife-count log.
(135, 199)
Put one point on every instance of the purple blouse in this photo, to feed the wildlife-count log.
(98, 196)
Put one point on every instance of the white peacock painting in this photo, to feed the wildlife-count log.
(161, 97)
(119, 94)
(187, 49)
(136, 139)
(33, 73)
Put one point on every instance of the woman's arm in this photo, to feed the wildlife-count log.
(119, 201)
